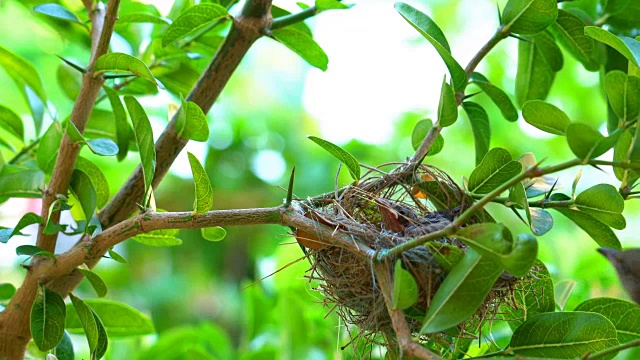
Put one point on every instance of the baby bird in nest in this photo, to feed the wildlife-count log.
(401, 218)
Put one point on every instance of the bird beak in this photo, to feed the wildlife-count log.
(609, 253)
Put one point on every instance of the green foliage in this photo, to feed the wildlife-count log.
(47, 317)
(497, 95)
(420, 131)
(303, 45)
(405, 288)
(192, 20)
(480, 126)
(529, 17)
(26, 220)
(496, 168)
(144, 140)
(118, 319)
(344, 156)
(119, 62)
(204, 191)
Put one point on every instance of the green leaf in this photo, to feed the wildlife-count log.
(539, 58)
(461, 293)
(480, 126)
(16, 181)
(159, 238)
(496, 168)
(6, 291)
(341, 154)
(26, 220)
(96, 282)
(623, 93)
(192, 20)
(541, 221)
(117, 257)
(563, 291)
(497, 95)
(446, 255)
(118, 319)
(522, 256)
(405, 288)
(84, 191)
(47, 317)
(420, 132)
(103, 339)
(119, 62)
(144, 139)
(301, 26)
(322, 5)
(603, 202)
(191, 122)
(70, 80)
(32, 250)
(624, 315)
(628, 47)
(303, 45)
(213, 233)
(102, 146)
(621, 151)
(11, 122)
(529, 17)
(430, 30)
(98, 180)
(531, 297)
(204, 191)
(601, 233)
(563, 335)
(448, 105)
(587, 143)
(22, 72)
(64, 350)
(546, 117)
(124, 134)
(59, 12)
(569, 30)
(48, 147)
(139, 17)
(88, 321)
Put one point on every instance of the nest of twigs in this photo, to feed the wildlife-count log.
(383, 212)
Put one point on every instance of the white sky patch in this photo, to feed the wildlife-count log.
(268, 165)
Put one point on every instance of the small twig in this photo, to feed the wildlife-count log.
(611, 350)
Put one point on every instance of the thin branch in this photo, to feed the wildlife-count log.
(291, 19)
(611, 350)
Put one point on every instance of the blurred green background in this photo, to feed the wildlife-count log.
(382, 78)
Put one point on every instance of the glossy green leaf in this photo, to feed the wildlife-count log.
(278, 12)
(461, 292)
(88, 321)
(621, 151)
(448, 105)
(405, 288)
(191, 20)
(17, 181)
(118, 319)
(531, 296)
(446, 255)
(323, 5)
(420, 132)
(518, 198)
(213, 233)
(601, 233)
(496, 168)
(69, 80)
(26, 220)
(529, 17)
(98, 180)
(48, 314)
(144, 139)
(541, 221)
(623, 93)
(6, 291)
(103, 147)
(546, 117)
(624, 14)
(124, 134)
(64, 350)
(22, 72)
(11, 122)
(119, 62)
(628, 47)
(59, 12)
(117, 257)
(303, 45)
(156, 238)
(522, 256)
(624, 315)
(32, 250)
(430, 30)
(539, 58)
(50, 227)
(603, 202)
(497, 95)
(84, 191)
(204, 191)
(350, 162)
(48, 147)
(569, 30)
(587, 143)
(139, 17)
(480, 126)
(103, 338)
(563, 335)
(96, 282)
(191, 122)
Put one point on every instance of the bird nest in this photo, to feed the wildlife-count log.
(382, 212)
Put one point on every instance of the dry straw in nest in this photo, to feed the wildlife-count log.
(382, 212)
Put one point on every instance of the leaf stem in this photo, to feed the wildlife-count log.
(611, 350)
(291, 19)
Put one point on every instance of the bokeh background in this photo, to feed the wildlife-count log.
(246, 296)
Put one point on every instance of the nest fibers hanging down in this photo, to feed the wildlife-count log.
(383, 212)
